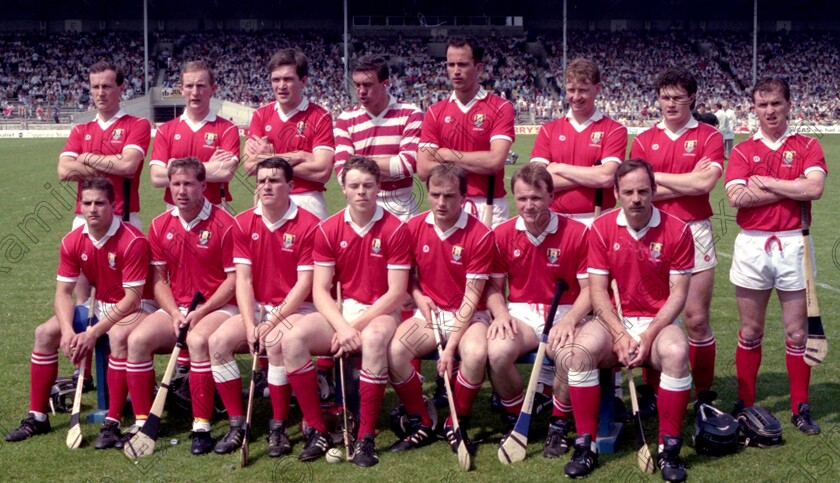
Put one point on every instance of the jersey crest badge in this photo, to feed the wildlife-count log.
(112, 259)
(788, 156)
(596, 137)
(288, 240)
(553, 255)
(655, 250)
(203, 237)
(301, 127)
(116, 134)
(478, 119)
(456, 253)
(209, 138)
(690, 145)
(376, 245)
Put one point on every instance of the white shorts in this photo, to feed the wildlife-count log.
(475, 205)
(705, 256)
(533, 315)
(351, 310)
(586, 218)
(313, 202)
(401, 203)
(764, 260)
(636, 325)
(447, 320)
(227, 309)
(305, 308)
(79, 220)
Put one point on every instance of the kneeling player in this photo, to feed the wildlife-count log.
(650, 254)
(273, 256)
(114, 257)
(533, 251)
(192, 250)
(366, 250)
(452, 254)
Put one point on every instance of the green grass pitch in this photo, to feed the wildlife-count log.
(28, 259)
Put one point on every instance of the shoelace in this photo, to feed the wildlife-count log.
(418, 436)
(366, 447)
(234, 434)
(555, 435)
(316, 439)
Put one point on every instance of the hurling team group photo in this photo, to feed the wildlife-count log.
(517, 304)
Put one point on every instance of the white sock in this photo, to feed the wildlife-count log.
(40, 417)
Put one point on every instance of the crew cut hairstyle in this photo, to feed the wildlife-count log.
(632, 165)
(277, 163)
(290, 56)
(191, 163)
(104, 65)
(102, 184)
(461, 42)
(373, 63)
(363, 164)
(533, 174)
(449, 171)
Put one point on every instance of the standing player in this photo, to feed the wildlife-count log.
(114, 256)
(383, 129)
(192, 250)
(649, 253)
(198, 132)
(533, 251)
(687, 157)
(452, 254)
(294, 129)
(112, 145)
(472, 129)
(366, 250)
(770, 176)
(583, 149)
(273, 256)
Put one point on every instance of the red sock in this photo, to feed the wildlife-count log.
(140, 379)
(229, 383)
(117, 387)
(263, 362)
(371, 392)
(304, 383)
(202, 389)
(89, 365)
(799, 375)
(562, 409)
(184, 357)
(651, 377)
(325, 364)
(514, 404)
(672, 401)
(747, 362)
(410, 393)
(465, 393)
(585, 393)
(701, 356)
(280, 392)
(417, 364)
(43, 369)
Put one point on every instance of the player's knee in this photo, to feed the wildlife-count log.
(796, 338)
(197, 343)
(218, 343)
(501, 354)
(47, 334)
(673, 355)
(473, 351)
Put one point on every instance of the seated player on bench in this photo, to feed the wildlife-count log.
(114, 257)
(650, 254)
(366, 250)
(533, 251)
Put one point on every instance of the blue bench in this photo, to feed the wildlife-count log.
(101, 353)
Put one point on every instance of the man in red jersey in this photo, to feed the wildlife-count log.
(533, 251)
(649, 254)
(114, 256)
(472, 129)
(583, 149)
(366, 250)
(112, 145)
(192, 250)
(295, 129)
(198, 132)
(687, 157)
(770, 176)
(384, 129)
(452, 254)
(273, 257)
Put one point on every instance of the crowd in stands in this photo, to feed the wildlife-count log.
(50, 70)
